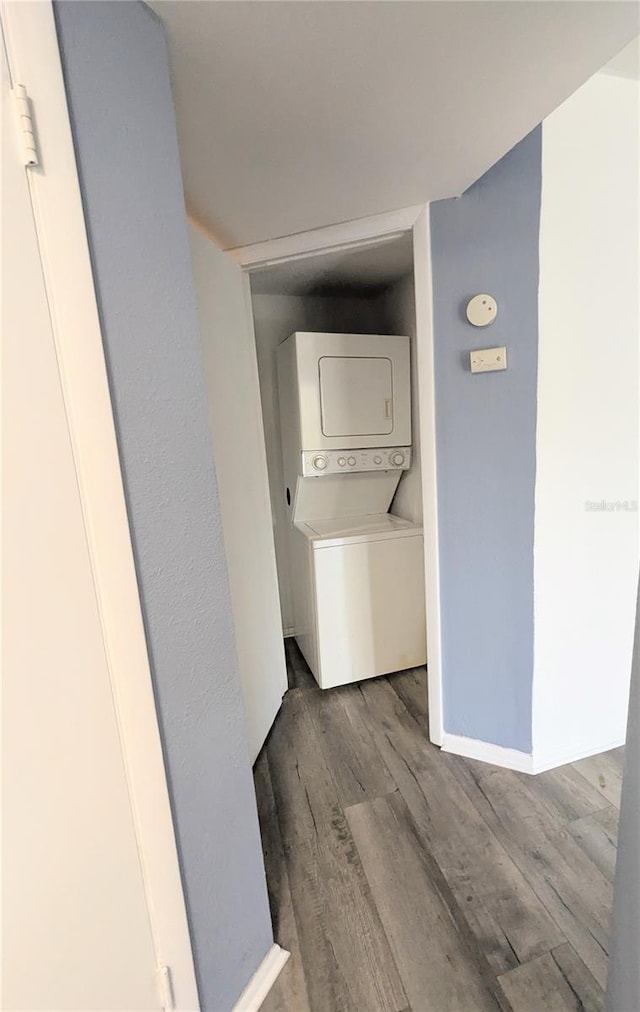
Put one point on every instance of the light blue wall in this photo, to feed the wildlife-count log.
(117, 79)
(487, 241)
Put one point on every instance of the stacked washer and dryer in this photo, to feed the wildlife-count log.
(357, 571)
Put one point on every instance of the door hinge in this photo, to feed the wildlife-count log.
(165, 988)
(26, 126)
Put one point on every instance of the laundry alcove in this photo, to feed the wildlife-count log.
(361, 287)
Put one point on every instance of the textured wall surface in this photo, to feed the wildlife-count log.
(588, 422)
(121, 108)
(487, 241)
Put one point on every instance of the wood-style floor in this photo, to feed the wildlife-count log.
(402, 878)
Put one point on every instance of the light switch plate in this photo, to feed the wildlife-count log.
(488, 359)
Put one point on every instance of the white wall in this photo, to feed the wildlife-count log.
(400, 308)
(275, 318)
(75, 923)
(236, 425)
(587, 428)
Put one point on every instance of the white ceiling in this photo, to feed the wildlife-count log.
(293, 115)
(363, 271)
(626, 63)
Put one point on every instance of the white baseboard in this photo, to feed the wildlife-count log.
(484, 751)
(524, 762)
(262, 981)
(542, 762)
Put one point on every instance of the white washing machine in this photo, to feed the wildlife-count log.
(357, 571)
(360, 608)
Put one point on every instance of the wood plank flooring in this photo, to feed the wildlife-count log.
(405, 879)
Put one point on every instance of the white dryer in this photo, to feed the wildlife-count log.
(345, 412)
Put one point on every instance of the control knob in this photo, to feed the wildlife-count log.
(396, 459)
(319, 462)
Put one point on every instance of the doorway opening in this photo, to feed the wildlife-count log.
(363, 291)
(354, 290)
(363, 285)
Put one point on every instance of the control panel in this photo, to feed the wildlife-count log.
(387, 458)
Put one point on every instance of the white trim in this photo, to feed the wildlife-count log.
(484, 751)
(573, 755)
(34, 59)
(428, 451)
(262, 981)
(512, 759)
(344, 235)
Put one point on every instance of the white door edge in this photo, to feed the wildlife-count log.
(34, 60)
(428, 452)
(353, 235)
